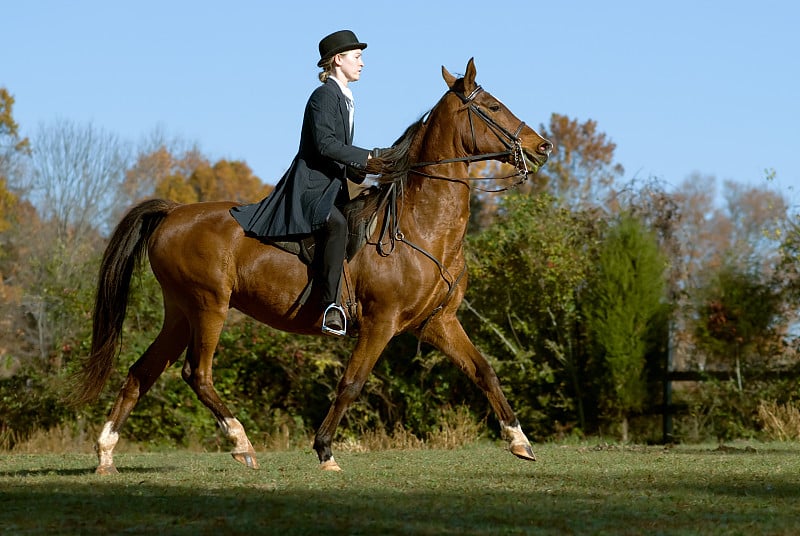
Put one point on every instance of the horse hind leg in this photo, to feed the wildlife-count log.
(449, 336)
(197, 373)
(165, 350)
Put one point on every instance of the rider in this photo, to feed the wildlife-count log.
(306, 199)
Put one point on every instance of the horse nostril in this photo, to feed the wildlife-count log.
(545, 147)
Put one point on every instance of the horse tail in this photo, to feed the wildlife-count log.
(124, 253)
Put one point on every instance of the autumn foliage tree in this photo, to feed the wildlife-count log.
(223, 181)
(189, 177)
(155, 163)
(13, 243)
(12, 147)
(581, 169)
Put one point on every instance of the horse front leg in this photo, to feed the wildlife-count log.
(370, 344)
(447, 334)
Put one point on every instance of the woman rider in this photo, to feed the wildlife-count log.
(305, 199)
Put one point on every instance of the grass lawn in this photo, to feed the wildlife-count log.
(745, 488)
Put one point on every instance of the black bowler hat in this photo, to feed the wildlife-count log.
(336, 43)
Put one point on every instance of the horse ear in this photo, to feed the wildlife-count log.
(469, 78)
(448, 78)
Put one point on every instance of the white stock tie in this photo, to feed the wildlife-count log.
(350, 110)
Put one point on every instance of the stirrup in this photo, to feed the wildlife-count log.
(330, 329)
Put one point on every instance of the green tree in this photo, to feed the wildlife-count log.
(737, 316)
(526, 271)
(625, 295)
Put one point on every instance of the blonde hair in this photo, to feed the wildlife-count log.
(327, 69)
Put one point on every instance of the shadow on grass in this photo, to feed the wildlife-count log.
(524, 506)
(79, 471)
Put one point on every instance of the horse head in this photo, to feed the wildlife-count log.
(493, 132)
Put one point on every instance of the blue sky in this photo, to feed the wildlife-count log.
(681, 87)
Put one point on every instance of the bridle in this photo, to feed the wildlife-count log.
(511, 142)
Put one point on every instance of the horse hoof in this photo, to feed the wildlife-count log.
(330, 465)
(106, 470)
(523, 452)
(246, 458)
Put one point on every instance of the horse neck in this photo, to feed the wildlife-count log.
(442, 202)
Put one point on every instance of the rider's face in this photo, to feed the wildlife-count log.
(350, 64)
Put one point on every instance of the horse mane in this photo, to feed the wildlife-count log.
(393, 166)
(394, 163)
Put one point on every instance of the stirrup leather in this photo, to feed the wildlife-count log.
(334, 331)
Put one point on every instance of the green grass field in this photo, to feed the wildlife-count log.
(749, 489)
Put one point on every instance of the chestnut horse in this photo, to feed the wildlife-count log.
(411, 276)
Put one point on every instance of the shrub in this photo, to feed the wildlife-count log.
(779, 421)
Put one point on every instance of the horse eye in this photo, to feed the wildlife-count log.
(494, 107)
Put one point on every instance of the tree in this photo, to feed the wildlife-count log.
(744, 233)
(625, 294)
(756, 216)
(70, 188)
(159, 158)
(737, 315)
(526, 272)
(7, 202)
(12, 148)
(581, 170)
(224, 181)
(189, 177)
(77, 171)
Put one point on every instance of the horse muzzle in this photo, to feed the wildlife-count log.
(535, 160)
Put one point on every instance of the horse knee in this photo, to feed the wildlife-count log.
(131, 388)
(487, 380)
(349, 391)
(198, 382)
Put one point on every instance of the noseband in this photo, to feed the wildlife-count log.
(511, 142)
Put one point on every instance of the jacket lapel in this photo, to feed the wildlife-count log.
(348, 136)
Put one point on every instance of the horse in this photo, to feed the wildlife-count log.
(410, 277)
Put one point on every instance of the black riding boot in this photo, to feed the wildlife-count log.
(333, 239)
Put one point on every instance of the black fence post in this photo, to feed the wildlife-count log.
(667, 410)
